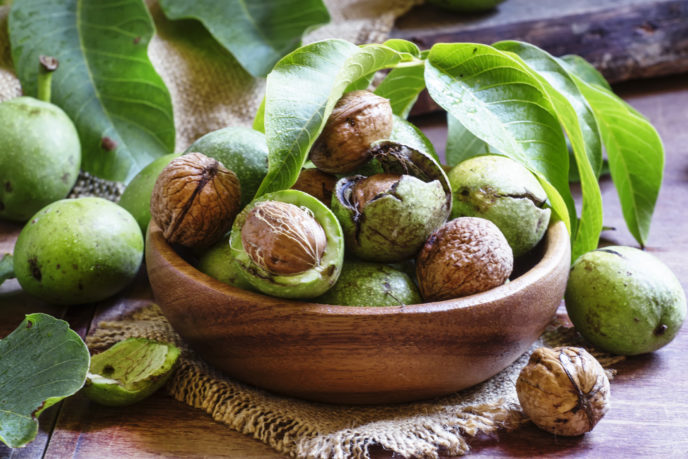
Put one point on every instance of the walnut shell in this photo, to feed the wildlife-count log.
(195, 200)
(369, 188)
(563, 390)
(317, 183)
(283, 238)
(464, 256)
(359, 119)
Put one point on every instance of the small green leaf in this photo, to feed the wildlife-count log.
(6, 268)
(41, 362)
(105, 82)
(462, 144)
(408, 134)
(402, 86)
(497, 98)
(578, 66)
(403, 46)
(580, 125)
(301, 92)
(259, 120)
(636, 156)
(259, 32)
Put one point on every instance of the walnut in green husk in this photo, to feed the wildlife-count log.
(563, 390)
(387, 216)
(501, 190)
(130, 371)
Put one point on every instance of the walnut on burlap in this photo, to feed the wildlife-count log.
(209, 91)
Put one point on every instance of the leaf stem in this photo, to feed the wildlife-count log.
(47, 65)
(413, 63)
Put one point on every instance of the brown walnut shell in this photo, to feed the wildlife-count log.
(563, 390)
(283, 238)
(464, 256)
(359, 119)
(195, 200)
(317, 183)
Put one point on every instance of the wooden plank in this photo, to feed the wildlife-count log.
(155, 427)
(625, 40)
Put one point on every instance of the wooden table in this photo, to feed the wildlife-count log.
(649, 414)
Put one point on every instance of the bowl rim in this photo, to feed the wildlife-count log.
(557, 247)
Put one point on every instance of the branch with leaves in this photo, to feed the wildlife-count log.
(510, 98)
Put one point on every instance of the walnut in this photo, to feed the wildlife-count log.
(317, 183)
(369, 188)
(283, 238)
(563, 390)
(359, 119)
(195, 200)
(464, 256)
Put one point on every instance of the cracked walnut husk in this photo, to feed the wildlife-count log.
(195, 200)
(564, 390)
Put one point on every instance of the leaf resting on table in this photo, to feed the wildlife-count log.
(41, 362)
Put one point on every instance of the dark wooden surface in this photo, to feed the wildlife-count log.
(624, 39)
(649, 413)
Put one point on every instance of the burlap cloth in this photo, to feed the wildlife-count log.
(210, 91)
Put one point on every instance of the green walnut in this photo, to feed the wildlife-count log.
(371, 284)
(137, 195)
(40, 153)
(76, 251)
(288, 244)
(218, 263)
(501, 190)
(624, 300)
(130, 371)
(241, 150)
(387, 217)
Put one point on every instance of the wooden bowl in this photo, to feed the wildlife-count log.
(348, 354)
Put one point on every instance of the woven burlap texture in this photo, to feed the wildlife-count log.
(209, 91)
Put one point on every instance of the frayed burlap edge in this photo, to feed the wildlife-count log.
(313, 430)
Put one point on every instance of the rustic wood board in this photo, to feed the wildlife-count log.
(624, 39)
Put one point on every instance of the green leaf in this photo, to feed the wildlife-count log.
(41, 362)
(497, 98)
(580, 125)
(402, 86)
(578, 66)
(462, 144)
(408, 134)
(403, 46)
(301, 92)
(259, 120)
(259, 32)
(105, 82)
(6, 268)
(636, 156)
